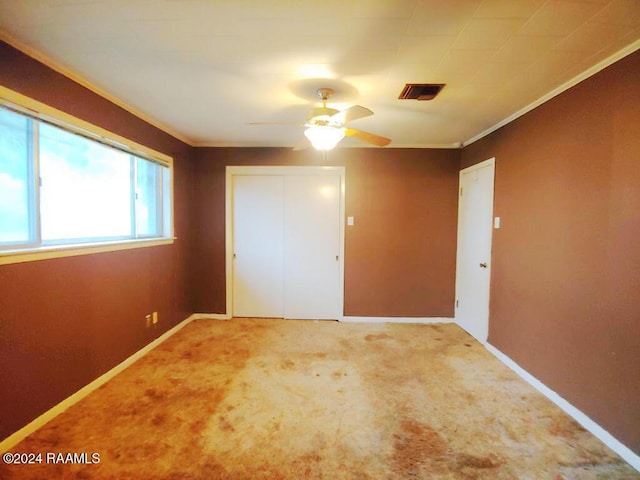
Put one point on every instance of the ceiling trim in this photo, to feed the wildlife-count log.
(42, 58)
(448, 146)
(628, 50)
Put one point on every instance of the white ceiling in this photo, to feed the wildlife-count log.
(204, 69)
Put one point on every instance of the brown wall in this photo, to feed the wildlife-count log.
(399, 255)
(64, 322)
(565, 293)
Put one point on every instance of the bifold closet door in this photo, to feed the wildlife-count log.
(312, 247)
(258, 229)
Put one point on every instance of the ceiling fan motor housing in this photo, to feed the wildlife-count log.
(322, 115)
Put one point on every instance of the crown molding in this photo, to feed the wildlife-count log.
(52, 64)
(620, 54)
(449, 146)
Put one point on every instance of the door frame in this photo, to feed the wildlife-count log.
(491, 162)
(232, 171)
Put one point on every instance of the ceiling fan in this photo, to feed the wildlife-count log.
(326, 126)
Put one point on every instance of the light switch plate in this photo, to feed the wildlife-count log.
(350, 221)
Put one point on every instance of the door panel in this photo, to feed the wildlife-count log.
(258, 225)
(312, 246)
(473, 271)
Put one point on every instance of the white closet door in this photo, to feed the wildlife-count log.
(258, 226)
(312, 246)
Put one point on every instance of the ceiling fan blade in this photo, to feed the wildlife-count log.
(350, 114)
(367, 137)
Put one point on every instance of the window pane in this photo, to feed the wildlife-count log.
(86, 188)
(147, 211)
(14, 177)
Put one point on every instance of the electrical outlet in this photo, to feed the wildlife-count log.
(147, 320)
(155, 317)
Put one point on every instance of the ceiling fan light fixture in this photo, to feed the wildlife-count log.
(324, 137)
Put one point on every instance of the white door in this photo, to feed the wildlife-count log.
(258, 227)
(473, 270)
(286, 246)
(312, 246)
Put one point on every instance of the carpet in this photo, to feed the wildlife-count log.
(283, 399)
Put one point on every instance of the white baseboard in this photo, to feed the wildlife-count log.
(421, 320)
(209, 316)
(608, 439)
(50, 414)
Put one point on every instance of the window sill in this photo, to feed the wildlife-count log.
(60, 251)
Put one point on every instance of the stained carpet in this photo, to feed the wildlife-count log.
(276, 399)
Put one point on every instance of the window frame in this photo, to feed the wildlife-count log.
(34, 249)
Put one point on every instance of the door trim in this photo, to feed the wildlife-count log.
(491, 162)
(477, 166)
(232, 171)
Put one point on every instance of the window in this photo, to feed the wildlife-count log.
(58, 187)
(16, 155)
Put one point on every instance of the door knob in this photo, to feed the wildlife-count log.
(483, 265)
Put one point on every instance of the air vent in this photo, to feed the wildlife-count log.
(420, 91)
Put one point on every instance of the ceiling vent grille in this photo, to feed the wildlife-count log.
(420, 91)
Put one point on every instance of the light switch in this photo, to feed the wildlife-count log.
(350, 221)
(496, 222)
